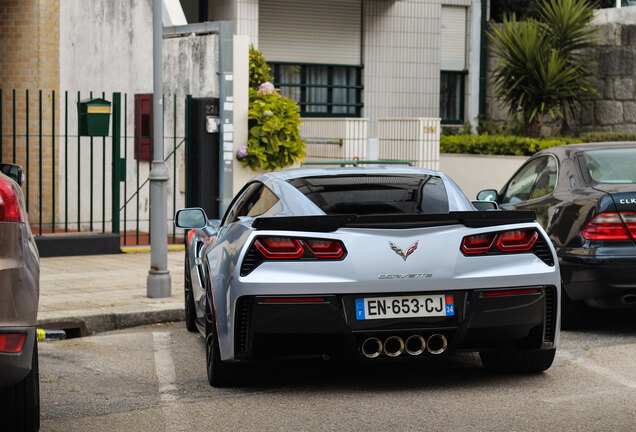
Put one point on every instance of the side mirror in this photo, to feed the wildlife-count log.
(190, 218)
(13, 171)
(485, 205)
(488, 195)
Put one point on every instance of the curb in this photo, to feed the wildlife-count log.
(102, 322)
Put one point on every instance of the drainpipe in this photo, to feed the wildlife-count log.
(483, 56)
(158, 284)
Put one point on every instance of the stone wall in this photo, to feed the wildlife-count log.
(613, 107)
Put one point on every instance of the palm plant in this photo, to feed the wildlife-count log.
(567, 25)
(542, 68)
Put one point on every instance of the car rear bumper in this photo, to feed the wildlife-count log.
(19, 276)
(14, 367)
(600, 281)
(328, 325)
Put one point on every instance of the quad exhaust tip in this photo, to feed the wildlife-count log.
(415, 345)
(436, 343)
(372, 347)
(393, 346)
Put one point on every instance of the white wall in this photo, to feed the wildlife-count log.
(106, 45)
(623, 15)
(474, 173)
(401, 59)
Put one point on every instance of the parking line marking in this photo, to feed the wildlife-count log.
(164, 367)
(579, 396)
(605, 372)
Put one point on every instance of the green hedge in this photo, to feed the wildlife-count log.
(499, 145)
(520, 146)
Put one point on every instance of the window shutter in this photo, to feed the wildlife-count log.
(143, 127)
(453, 38)
(307, 31)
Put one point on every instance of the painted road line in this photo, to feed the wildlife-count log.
(605, 372)
(164, 366)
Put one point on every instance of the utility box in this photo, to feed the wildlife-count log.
(93, 117)
(202, 156)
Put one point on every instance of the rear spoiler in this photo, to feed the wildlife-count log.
(329, 223)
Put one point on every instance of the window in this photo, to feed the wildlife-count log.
(375, 194)
(321, 90)
(451, 97)
(254, 200)
(611, 165)
(535, 179)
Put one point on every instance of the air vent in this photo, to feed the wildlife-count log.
(542, 250)
(251, 260)
(243, 318)
(550, 314)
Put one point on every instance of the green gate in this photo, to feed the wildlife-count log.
(87, 193)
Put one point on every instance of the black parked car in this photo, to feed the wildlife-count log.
(585, 197)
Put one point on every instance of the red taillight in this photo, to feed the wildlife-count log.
(478, 243)
(325, 248)
(279, 247)
(610, 226)
(507, 241)
(510, 292)
(11, 343)
(517, 240)
(9, 206)
(630, 220)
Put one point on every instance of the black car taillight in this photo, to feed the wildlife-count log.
(611, 226)
(273, 248)
(513, 241)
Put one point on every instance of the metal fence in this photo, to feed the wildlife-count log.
(78, 184)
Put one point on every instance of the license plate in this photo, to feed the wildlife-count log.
(434, 305)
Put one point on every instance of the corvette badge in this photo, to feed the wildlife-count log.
(401, 253)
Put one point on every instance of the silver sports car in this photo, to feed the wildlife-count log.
(368, 264)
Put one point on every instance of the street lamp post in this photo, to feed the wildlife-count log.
(158, 282)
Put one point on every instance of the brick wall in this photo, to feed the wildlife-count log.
(29, 60)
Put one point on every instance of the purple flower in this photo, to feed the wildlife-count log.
(267, 86)
(242, 152)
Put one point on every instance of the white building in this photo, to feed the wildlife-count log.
(364, 58)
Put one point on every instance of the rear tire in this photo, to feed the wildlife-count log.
(220, 373)
(517, 361)
(20, 402)
(190, 311)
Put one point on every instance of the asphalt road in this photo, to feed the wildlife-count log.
(153, 378)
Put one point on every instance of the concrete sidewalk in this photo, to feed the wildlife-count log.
(106, 292)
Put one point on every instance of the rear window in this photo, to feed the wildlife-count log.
(375, 194)
(611, 165)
